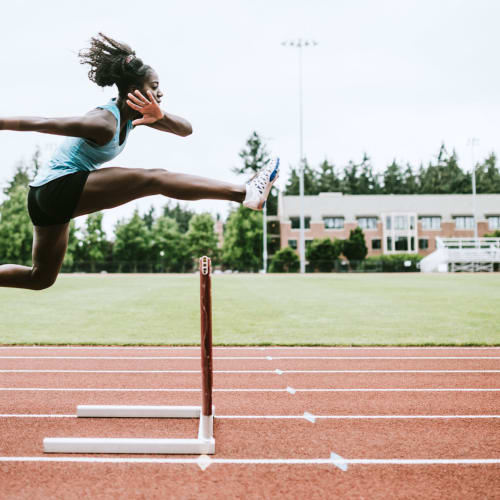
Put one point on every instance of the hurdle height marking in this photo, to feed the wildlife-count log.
(204, 444)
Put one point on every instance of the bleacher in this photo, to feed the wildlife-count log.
(463, 254)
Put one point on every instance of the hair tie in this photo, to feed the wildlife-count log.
(129, 58)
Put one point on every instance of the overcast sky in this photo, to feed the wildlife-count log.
(392, 78)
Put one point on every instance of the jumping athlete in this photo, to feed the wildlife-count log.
(69, 184)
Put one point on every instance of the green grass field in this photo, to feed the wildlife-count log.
(323, 309)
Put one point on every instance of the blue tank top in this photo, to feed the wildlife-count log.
(76, 154)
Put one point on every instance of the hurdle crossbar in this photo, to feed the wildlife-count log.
(203, 444)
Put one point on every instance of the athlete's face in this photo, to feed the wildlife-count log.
(152, 83)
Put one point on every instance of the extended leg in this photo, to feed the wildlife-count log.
(49, 248)
(114, 186)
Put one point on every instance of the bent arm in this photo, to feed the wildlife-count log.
(94, 128)
(173, 124)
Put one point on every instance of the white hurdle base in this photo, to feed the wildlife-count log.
(205, 444)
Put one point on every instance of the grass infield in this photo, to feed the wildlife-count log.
(316, 309)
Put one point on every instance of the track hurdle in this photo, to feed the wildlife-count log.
(204, 444)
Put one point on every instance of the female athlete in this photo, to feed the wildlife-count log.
(70, 183)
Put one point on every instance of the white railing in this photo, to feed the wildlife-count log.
(476, 251)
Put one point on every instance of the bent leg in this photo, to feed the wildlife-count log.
(49, 248)
(115, 186)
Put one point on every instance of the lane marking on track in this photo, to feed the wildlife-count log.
(242, 347)
(263, 461)
(338, 461)
(291, 390)
(269, 358)
(250, 371)
(111, 389)
(308, 416)
(278, 371)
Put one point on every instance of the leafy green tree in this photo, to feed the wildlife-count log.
(202, 238)
(149, 217)
(494, 234)
(180, 214)
(93, 247)
(72, 250)
(354, 248)
(132, 247)
(16, 230)
(242, 247)
(285, 261)
(322, 254)
(170, 247)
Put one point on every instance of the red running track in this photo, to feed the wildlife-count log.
(275, 432)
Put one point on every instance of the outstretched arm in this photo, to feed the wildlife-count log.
(94, 126)
(155, 117)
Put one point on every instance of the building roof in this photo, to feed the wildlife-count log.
(352, 206)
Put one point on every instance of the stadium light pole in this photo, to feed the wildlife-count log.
(473, 141)
(299, 43)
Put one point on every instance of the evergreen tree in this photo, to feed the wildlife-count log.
(367, 182)
(311, 184)
(149, 217)
(202, 238)
(354, 248)
(327, 179)
(242, 247)
(488, 176)
(394, 179)
(255, 156)
(410, 181)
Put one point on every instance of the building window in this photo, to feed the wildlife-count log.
(412, 243)
(400, 222)
(494, 222)
(430, 222)
(401, 243)
(296, 222)
(367, 222)
(334, 222)
(389, 243)
(292, 244)
(423, 243)
(388, 220)
(464, 222)
(376, 244)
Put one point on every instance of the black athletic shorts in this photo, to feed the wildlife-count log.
(56, 201)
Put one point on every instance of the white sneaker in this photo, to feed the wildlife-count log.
(260, 184)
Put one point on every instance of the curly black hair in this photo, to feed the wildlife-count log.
(113, 63)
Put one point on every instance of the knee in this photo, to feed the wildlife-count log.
(156, 178)
(41, 282)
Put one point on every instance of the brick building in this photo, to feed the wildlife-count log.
(391, 223)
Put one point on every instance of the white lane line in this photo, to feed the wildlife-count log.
(291, 390)
(307, 416)
(268, 358)
(250, 348)
(279, 372)
(111, 389)
(262, 461)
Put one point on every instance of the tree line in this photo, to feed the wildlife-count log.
(443, 175)
(174, 238)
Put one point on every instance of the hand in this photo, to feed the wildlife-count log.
(149, 109)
